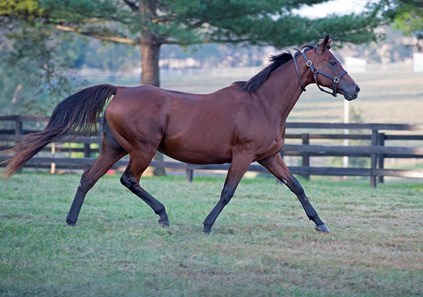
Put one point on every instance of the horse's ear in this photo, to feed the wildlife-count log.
(325, 44)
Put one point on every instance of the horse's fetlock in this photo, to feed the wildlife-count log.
(161, 210)
(226, 196)
(71, 221)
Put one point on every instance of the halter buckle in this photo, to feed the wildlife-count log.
(336, 79)
(309, 63)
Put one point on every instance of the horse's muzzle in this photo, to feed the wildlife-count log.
(350, 94)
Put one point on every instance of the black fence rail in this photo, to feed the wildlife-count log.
(309, 145)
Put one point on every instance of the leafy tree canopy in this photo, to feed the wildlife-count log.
(407, 15)
(192, 21)
(37, 31)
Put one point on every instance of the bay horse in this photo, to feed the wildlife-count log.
(240, 124)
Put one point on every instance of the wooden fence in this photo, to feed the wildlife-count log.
(308, 145)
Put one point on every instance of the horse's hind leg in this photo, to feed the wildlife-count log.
(277, 167)
(107, 158)
(138, 163)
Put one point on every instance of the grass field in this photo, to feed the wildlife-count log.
(261, 245)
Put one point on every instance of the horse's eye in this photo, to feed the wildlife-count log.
(333, 63)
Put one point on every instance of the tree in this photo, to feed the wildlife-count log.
(154, 23)
(33, 74)
(407, 16)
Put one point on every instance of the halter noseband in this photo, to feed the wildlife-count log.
(316, 71)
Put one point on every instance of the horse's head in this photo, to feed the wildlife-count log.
(327, 71)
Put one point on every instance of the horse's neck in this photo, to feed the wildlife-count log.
(280, 92)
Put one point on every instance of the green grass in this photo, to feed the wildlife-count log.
(261, 245)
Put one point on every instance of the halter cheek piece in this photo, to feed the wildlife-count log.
(316, 71)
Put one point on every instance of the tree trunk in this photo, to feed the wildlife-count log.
(150, 45)
(150, 70)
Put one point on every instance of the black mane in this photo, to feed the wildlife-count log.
(254, 83)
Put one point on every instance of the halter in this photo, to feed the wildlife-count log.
(316, 71)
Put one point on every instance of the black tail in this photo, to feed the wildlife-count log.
(77, 113)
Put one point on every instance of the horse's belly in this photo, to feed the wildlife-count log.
(197, 152)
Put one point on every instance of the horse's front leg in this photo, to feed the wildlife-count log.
(237, 170)
(278, 168)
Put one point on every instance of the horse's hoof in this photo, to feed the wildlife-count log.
(322, 228)
(207, 230)
(164, 223)
(70, 222)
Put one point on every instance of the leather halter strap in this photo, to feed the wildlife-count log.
(297, 70)
(316, 71)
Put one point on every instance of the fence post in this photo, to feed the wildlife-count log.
(306, 156)
(189, 173)
(53, 154)
(18, 134)
(381, 157)
(373, 159)
(18, 129)
(87, 150)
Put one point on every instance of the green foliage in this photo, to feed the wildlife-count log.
(263, 22)
(406, 15)
(23, 9)
(34, 71)
(189, 22)
(258, 22)
(409, 17)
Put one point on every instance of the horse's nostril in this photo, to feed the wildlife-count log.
(357, 89)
